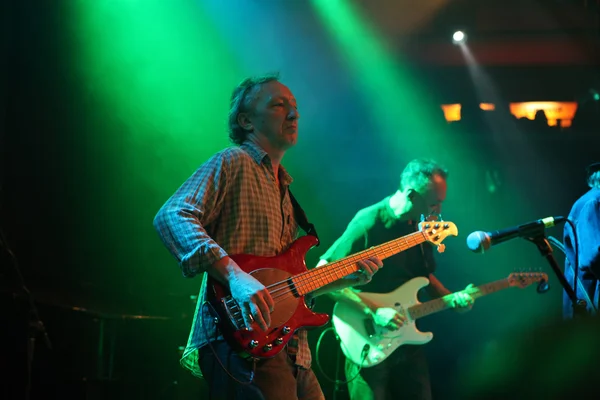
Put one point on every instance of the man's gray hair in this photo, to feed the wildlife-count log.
(240, 102)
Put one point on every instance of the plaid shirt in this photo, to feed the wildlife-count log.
(230, 205)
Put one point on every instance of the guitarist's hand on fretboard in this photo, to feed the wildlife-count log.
(463, 301)
(367, 268)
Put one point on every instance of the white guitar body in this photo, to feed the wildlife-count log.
(370, 347)
(367, 344)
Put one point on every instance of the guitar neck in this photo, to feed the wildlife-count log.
(443, 303)
(318, 277)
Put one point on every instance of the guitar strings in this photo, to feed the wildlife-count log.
(304, 279)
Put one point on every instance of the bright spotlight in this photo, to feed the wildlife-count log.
(459, 37)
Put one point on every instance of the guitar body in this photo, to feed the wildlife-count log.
(290, 311)
(367, 344)
(287, 279)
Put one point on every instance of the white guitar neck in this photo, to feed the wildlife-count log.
(444, 303)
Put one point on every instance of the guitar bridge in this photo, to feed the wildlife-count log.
(233, 312)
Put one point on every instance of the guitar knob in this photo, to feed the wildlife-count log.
(446, 226)
(278, 341)
(268, 347)
(253, 344)
(436, 226)
(286, 330)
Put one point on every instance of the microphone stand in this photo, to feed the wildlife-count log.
(36, 328)
(579, 305)
(35, 325)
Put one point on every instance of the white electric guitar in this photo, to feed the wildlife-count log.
(368, 344)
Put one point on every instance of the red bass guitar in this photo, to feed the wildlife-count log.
(288, 281)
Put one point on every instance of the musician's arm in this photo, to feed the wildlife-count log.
(459, 301)
(180, 224)
(588, 235)
(180, 221)
(352, 296)
(381, 316)
(355, 239)
(436, 289)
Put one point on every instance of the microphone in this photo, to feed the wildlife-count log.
(479, 242)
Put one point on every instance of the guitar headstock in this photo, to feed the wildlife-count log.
(524, 279)
(436, 231)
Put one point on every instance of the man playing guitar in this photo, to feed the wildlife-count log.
(238, 202)
(404, 374)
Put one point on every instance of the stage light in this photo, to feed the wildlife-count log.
(459, 37)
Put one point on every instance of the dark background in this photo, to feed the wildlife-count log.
(74, 247)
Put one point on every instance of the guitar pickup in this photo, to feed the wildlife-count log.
(369, 325)
(234, 315)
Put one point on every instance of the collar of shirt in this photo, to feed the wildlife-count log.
(391, 215)
(258, 154)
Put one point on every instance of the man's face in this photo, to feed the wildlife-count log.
(430, 199)
(274, 115)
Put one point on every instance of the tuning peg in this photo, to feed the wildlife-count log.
(542, 287)
(441, 248)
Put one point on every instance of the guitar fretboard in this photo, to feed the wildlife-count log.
(433, 306)
(318, 277)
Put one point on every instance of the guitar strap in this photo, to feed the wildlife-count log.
(301, 218)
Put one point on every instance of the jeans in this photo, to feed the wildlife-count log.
(403, 375)
(269, 379)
